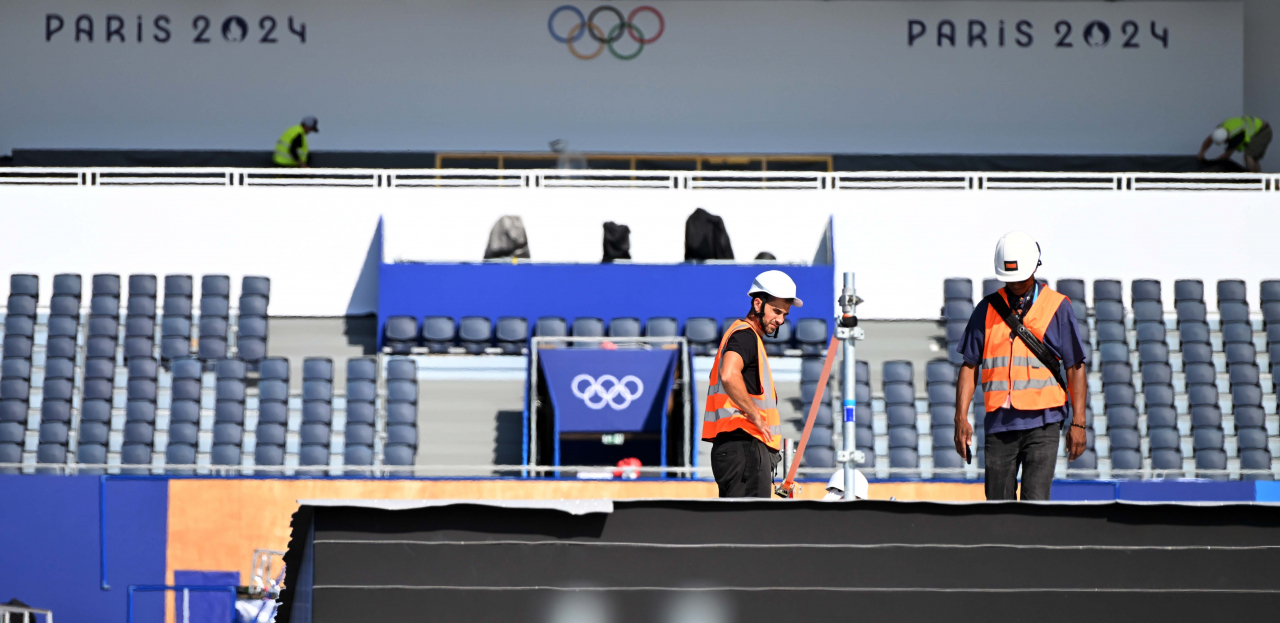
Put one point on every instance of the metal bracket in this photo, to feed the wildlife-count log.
(844, 333)
(850, 456)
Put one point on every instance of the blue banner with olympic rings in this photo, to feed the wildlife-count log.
(607, 391)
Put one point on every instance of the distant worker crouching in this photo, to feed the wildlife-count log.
(291, 149)
(741, 418)
(1250, 135)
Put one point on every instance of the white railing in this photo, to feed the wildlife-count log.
(669, 180)
(22, 614)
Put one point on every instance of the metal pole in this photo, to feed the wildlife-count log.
(848, 331)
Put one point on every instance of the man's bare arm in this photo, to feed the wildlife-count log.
(965, 384)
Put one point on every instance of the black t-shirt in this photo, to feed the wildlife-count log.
(744, 343)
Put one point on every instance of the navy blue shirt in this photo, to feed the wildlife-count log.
(1063, 340)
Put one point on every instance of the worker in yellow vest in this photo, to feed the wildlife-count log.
(291, 149)
(1250, 135)
(741, 418)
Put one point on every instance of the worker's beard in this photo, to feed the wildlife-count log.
(764, 328)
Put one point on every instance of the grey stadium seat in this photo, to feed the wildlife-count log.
(1108, 311)
(1109, 331)
(1144, 290)
(1191, 311)
(1153, 352)
(1188, 290)
(1193, 332)
(177, 295)
(1161, 416)
(702, 335)
(1231, 290)
(362, 379)
(1241, 353)
(438, 333)
(811, 335)
(475, 333)
(1237, 333)
(1157, 395)
(1233, 311)
(1148, 311)
(512, 334)
(661, 327)
(251, 339)
(990, 286)
(1158, 373)
(1249, 417)
(213, 338)
(1113, 351)
(588, 327)
(957, 288)
(1199, 394)
(1072, 288)
(1117, 372)
(175, 337)
(273, 411)
(1107, 290)
(1150, 332)
(1244, 374)
(624, 327)
(228, 421)
(400, 334)
(317, 410)
(1206, 416)
(402, 425)
(1197, 353)
(957, 309)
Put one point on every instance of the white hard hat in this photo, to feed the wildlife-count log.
(777, 284)
(1017, 256)
(836, 484)
(1220, 135)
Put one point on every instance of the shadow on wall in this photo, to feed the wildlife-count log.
(508, 437)
(362, 331)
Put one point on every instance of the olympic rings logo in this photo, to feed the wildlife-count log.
(587, 27)
(603, 391)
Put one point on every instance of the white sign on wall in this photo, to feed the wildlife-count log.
(673, 76)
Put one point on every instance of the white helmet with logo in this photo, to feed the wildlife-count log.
(777, 284)
(1017, 257)
(1220, 135)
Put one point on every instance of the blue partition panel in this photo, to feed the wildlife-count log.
(51, 547)
(603, 291)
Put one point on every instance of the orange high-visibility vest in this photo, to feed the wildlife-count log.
(722, 415)
(1009, 369)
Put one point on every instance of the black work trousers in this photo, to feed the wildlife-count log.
(743, 467)
(1035, 450)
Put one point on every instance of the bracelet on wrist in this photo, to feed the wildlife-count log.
(1073, 424)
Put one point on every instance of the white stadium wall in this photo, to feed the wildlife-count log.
(743, 76)
(313, 242)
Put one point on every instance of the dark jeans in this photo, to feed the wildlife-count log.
(1034, 449)
(743, 467)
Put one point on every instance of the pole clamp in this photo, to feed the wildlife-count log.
(850, 456)
(845, 333)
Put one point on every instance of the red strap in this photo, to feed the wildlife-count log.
(813, 414)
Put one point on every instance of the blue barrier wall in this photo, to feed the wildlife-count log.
(595, 290)
(49, 542)
(1164, 491)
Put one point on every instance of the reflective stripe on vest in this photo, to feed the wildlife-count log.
(721, 415)
(1248, 125)
(282, 155)
(1009, 369)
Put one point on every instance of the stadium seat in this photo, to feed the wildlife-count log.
(1144, 290)
(957, 309)
(1148, 311)
(273, 411)
(215, 294)
(251, 323)
(990, 286)
(438, 333)
(1110, 331)
(177, 295)
(1241, 353)
(512, 335)
(1072, 288)
(702, 335)
(661, 327)
(1237, 333)
(1200, 372)
(1194, 332)
(624, 327)
(1188, 290)
(587, 327)
(400, 334)
(362, 379)
(475, 333)
(1106, 290)
(1191, 311)
(1198, 394)
(1153, 352)
(812, 336)
(1158, 395)
(1150, 332)
(1117, 372)
(228, 420)
(957, 288)
(1196, 353)
(1206, 416)
(317, 410)
(402, 422)
(1233, 312)
(1108, 311)
(1161, 416)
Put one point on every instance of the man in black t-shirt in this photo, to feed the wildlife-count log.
(741, 418)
